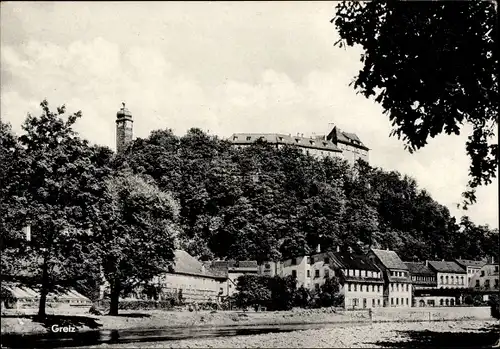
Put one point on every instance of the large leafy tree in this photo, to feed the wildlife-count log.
(12, 203)
(135, 234)
(433, 68)
(57, 188)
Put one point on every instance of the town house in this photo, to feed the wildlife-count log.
(362, 282)
(449, 274)
(486, 279)
(471, 267)
(397, 282)
(423, 282)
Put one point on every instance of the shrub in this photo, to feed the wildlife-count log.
(141, 304)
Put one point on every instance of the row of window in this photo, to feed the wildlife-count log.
(400, 287)
(452, 280)
(355, 302)
(487, 284)
(364, 288)
(363, 273)
(395, 301)
(316, 273)
(311, 260)
(399, 273)
(423, 278)
(483, 273)
(349, 272)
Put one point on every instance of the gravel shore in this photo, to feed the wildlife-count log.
(376, 335)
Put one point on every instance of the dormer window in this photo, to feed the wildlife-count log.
(281, 139)
(312, 142)
(249, 138)
(297, 140)
(235, 138)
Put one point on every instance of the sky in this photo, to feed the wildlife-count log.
(224, 67)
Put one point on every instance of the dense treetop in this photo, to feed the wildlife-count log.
(265, 203)
(433, 67)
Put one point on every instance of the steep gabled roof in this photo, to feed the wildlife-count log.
(446, 267)
(336, 135)
(184, 263)
(419, 268)
(352, 261)
(389, 259)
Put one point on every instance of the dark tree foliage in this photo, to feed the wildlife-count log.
(433, 68)
(265, 203)
(52, 184)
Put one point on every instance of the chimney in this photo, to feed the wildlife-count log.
(426, 263)
(349, 249)
(318, 248)
(442, 260)
(387, 249)
(338, 249)
(492, 260)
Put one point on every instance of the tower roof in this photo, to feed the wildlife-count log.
(123, 112)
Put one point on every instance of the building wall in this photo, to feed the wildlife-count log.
(319, 272)
(486, 279)
(433, 301)
(300, 266)
(194, 288)
(124, 134)
(399, 294)
(451, 280)
(351, 153)
(471, 271)
(363, 295)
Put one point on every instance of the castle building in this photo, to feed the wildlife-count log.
(124, 130)
(335, 144)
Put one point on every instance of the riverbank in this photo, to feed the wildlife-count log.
(449, 334)
(157, 319)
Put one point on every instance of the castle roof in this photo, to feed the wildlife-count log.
(336, 135)
(278, 138)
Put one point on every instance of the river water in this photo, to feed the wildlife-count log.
(88, 338)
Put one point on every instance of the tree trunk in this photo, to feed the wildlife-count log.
(115, 297)
(44, 289)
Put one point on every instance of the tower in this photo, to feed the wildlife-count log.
(123, 128)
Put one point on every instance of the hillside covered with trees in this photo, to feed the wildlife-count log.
(94, 213)
(263, 203)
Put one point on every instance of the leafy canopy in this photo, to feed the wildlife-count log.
(432, 67)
